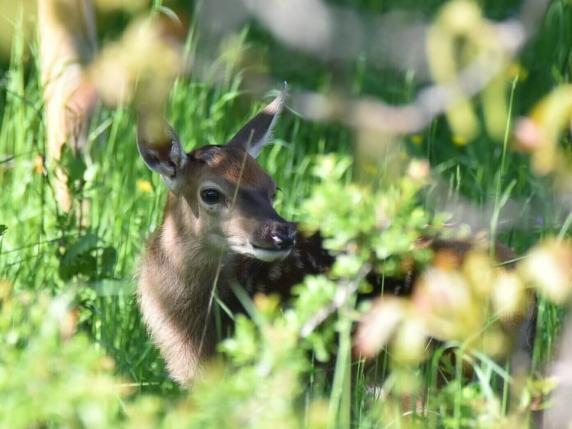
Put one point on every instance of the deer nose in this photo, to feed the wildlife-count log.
(284, 236)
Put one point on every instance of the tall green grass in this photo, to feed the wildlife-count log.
(121, 215)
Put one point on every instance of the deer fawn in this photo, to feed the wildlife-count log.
(218, 224)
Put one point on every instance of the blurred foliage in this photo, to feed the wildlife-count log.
(43, 361)
(270, 346)
(459, 36)
(352, 217)
(48, 374)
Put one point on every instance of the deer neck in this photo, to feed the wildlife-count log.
(194, 262)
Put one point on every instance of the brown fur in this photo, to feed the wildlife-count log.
(178, 271)
(232, 165)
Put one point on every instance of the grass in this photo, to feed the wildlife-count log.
(120, 215)
(42, 246)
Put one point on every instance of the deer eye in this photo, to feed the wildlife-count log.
(211, 196)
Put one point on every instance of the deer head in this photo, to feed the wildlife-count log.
(219, 194)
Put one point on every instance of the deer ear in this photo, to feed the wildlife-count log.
(161, 149)
(257, 133)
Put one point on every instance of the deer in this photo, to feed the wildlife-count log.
(67, 41)
(220, 228)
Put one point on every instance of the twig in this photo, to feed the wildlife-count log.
(339, 34)
(342, 295)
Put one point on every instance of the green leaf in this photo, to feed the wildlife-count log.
(108, 261)
(78, 258)
(83, 244)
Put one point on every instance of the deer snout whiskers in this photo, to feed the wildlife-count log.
(220, 199)
(283, 236)
(274, 235)
(260, 252)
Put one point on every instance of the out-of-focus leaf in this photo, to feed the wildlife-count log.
(445, 302)
(510, 297)
(548, 267)
(539, 134)
(379, 325)
(410, 341)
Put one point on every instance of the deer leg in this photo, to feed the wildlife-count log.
(66, 31)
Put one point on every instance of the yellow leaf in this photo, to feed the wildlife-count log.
(549, 268)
